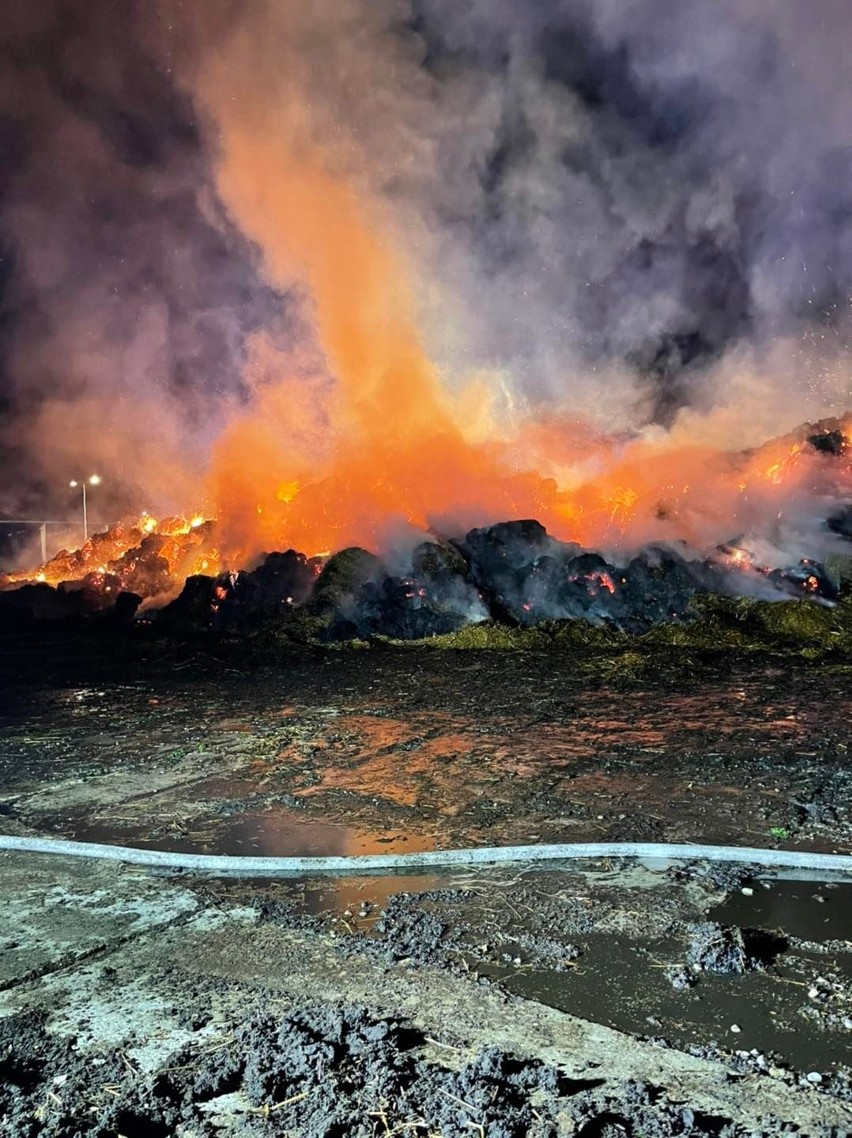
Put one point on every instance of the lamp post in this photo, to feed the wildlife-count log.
(92, 480)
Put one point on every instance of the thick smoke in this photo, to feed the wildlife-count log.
(126, 293)
(647, 187)
(664, 181)
(538, 260)
(587, 191)
(587, 208)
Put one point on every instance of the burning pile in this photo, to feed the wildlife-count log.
(275, 257)
(515, 573)
(146, 560)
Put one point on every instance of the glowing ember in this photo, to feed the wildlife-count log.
(604, 581)
(148, 557)
(646, 493)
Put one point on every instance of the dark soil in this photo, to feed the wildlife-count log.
(423, 748)
(320, 1071)
(180, 746)
(621, 948)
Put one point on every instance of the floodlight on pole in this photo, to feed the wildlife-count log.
(92, 480)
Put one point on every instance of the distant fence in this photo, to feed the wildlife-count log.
(42, 524)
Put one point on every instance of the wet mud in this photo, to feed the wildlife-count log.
(321, 1071)
(632, 948)
(354, 752)
(597, 944)
(345, 753)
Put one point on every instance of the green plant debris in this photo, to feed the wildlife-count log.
(812, 628)
(713, 628)
(485, 635)
(714, 625)
(779, 832)
(621, 666)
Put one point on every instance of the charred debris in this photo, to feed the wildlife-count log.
(512, 585)
(502, 585)
(506, 585)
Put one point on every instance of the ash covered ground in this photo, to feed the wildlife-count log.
(326, 1070)
(135, 1005)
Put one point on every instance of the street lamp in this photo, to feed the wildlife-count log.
(92, 480)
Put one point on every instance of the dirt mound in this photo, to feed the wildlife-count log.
(318, 1071)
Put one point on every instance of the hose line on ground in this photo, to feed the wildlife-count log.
(224, 864)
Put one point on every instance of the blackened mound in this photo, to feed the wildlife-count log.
(513, 573)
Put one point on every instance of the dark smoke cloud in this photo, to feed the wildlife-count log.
(651, 184)
(641, 212)
(126, 292)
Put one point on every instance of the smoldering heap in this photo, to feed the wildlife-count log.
(118, 568)
(513, 574)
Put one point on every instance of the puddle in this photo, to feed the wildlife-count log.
(810, 910)
(360, 900)
(622, 985)
(798, 1007)
(263, 833)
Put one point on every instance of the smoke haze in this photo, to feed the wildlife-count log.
(126, 293)
(344, 267)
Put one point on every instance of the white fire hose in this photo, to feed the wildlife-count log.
(367, 864)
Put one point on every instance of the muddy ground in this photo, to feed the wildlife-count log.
(600, 999)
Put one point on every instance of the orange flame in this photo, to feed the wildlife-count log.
(319, 465)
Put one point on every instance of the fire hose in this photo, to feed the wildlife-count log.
(367, 864)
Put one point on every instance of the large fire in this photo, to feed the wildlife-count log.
(390, 444)
(696, 498)
(147, 556)
(370, 445)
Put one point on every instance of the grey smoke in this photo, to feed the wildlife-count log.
(652, 184)
(126, 293)
(621, 210)
(640, 212)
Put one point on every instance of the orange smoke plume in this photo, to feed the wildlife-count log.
(318, 465)
(322, 467)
